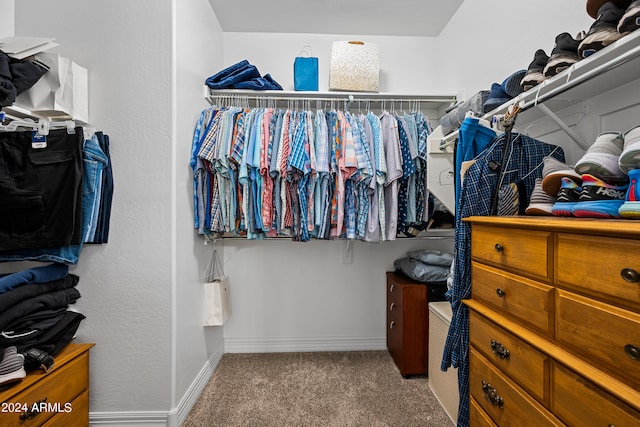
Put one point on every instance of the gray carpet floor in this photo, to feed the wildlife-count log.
(336, 389)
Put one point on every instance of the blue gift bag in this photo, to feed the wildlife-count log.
(305, 71)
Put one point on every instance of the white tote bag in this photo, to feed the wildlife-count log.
(217, 294)
(62, 92)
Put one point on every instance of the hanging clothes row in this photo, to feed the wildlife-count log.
(324, 174)
(56, 193)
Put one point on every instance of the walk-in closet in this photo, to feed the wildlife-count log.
(145, 357)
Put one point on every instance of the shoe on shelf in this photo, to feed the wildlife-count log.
(552, 171)
(599, 199)
(630, 21)
(603, 31)
(11, 366)
(593, 6)
(568, 196)
(563, 55)
(540, 203)
(601, 159)
(534, 74)
(631, 206)
(630, 156)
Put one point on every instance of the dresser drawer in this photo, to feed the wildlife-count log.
(605, 267)
(578, 402)
(78, 417)
(528, 301)
(526, 365)
(608, 335)
(526, 252)
(59, 387)
(505, 402)
(477, 416)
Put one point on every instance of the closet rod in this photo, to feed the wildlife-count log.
(336, 96)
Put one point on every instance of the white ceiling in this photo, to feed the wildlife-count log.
(359, 17)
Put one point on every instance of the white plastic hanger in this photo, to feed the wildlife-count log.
(42, 126)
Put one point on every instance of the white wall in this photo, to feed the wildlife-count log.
(405, 63)
(198, 52)
(486, 41)
(6, 18)
(126, 285)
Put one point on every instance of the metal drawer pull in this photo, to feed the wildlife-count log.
(630, 275)
(499, 247)
(33, 412)
(492, 395)
(632, 351)
(499, 350)
(392, 306)
(500, 292)
(392, 324)
(391, 287)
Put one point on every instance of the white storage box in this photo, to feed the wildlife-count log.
(444, 385)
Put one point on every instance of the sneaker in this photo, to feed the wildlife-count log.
(603, 31)
(534, 74)
(630, 156)
(552, 171)
(540, 203)
(568, 196)
(12, 366)
(599, 199)
(563, 55)
(631, 206)
(630, 21)
(601, 159)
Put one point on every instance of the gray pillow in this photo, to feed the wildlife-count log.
(443, 259)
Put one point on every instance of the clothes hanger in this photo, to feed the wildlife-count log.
(42, 126)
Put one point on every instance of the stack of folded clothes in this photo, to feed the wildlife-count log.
(242, 75)
(36, 321)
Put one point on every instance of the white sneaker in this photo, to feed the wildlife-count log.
(601, 159)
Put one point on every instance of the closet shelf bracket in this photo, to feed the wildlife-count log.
(570, 132)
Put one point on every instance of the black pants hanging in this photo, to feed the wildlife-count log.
(40, 189)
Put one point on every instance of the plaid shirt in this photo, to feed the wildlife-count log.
(523, 163)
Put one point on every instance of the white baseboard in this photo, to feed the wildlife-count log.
(303, 344)
(173, 418)
(138, 419)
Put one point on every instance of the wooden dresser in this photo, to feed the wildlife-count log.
(408, 322)
(57, 398)
(554, 322)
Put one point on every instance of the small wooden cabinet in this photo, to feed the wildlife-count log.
(59, 397)
(408, 322)
(554, 322)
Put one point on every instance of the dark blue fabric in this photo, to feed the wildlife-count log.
(106, 198)
(497, 97)
(522, 162)
(258, 83)
(44, 274)
(236, 73)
